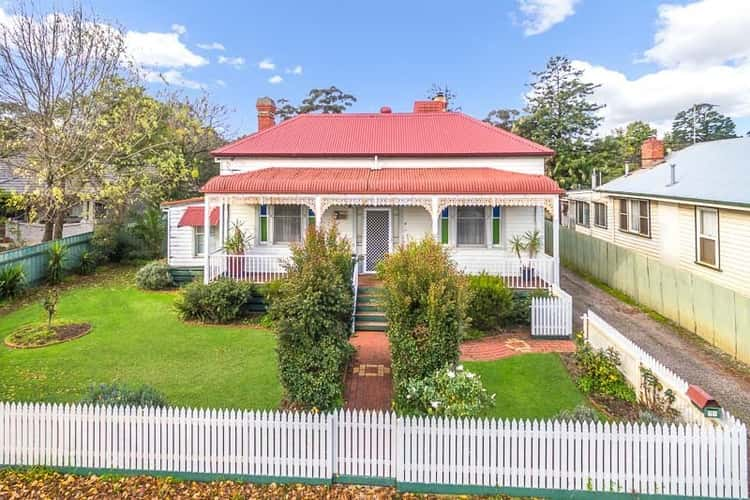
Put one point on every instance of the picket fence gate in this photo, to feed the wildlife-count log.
(552, 317)
(413, 453)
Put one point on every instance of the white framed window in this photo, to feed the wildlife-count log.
(287, 223)
(600, 215)
(471, 227)
(582, 213)
(707, 236)
(198, 239)
(635, 217)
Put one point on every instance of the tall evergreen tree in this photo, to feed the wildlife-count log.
(323, 100)
(561, 115)
(700, 123)
(502, 118)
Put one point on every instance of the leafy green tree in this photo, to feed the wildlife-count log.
(631, 138)
(700, 123)
(322, 100)
(502, 118)
(561, 115)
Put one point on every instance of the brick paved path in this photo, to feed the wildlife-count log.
(369, 384)
(506, 345)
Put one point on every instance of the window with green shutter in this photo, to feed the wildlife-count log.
(264, 223)
(495, 225)
(444, 227)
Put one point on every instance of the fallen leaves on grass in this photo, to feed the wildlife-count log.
(44, 484)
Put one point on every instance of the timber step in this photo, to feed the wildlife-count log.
(369, 315)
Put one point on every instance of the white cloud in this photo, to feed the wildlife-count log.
(266, 64)
(275, 79)
(221, 83)
(173, 77)
(211, 46)
(296, 70)
(237, 62)
(703, 55)
(180, 29)
(701, 33)
(540, 15)
(161, 50)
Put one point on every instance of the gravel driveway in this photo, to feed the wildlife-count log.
(696, 363)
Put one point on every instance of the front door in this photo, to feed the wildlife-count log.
(377, 237)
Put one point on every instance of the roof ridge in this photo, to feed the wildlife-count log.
(258, 133)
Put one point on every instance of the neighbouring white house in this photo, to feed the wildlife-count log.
(384, 179)
(690, 209)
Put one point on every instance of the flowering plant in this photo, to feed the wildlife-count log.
(450, 391)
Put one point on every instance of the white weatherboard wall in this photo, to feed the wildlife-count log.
(429, 454)
(180, 244)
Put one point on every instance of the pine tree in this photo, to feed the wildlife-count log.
(700, 123)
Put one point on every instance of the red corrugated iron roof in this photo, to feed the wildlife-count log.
(700, 398)
(383, 134)
(382, 181)
(172, 203)
(193, 217)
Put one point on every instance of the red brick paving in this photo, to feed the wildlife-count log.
(504, 346)
(369, 384)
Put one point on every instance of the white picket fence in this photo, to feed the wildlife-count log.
(602, 335)
(357, 446)
(552, 316)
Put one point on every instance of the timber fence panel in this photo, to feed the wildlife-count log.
(552, 317)
(34, 258)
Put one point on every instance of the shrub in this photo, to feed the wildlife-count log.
(12, 281)
(581, 413)
(154, 276)
(149, 231)
(57, 255)
(425, 301)
(520, 311)
(221, 301)
(87, 262)
(118, 394)
(311, 312)
(490, 302)
(450, 392)
(600, 373)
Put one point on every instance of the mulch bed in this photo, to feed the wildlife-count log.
(613, 408)
(60, 333)
(45, 484)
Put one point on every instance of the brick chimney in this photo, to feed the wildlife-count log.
(436, 105)
(652, 152)
(266, 111)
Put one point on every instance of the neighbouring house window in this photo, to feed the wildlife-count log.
(600, 215)
(582, 213)
(471, 228)
(444, 226)
(635, 217)
(287, 224)
(310, 217)
(199, 239)
(707, 236)
(495, 225)
(264, 223)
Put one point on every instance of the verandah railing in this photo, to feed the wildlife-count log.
(414, 453)
(255, 268)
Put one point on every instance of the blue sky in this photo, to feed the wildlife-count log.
(390, 52)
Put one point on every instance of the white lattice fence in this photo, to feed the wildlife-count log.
(413, 453)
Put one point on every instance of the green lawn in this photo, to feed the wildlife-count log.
(137, 338)
(528, 385)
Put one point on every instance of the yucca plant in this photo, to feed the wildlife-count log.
(58, 253)
(518, 245)
(533, 242)
(87, 263)
(12, 281)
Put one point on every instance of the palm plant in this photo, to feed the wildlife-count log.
(533, 242)
(237, 241)
(12, 280)
(58, 253)
(518, 245)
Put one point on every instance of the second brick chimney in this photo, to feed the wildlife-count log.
(266, 113)
(652, 152)
(436, 105)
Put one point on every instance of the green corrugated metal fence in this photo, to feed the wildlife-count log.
(719, 315)
(34, 259)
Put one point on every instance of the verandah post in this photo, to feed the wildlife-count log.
(206, 236)
(556, 239)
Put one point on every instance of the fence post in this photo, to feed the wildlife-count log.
(331, 446)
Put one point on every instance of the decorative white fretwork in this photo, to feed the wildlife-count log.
(377, 201)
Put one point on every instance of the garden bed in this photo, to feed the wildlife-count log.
(36, 335)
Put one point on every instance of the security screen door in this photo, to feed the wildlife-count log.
(377, 237)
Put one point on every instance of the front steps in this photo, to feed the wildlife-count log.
(369, 316)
